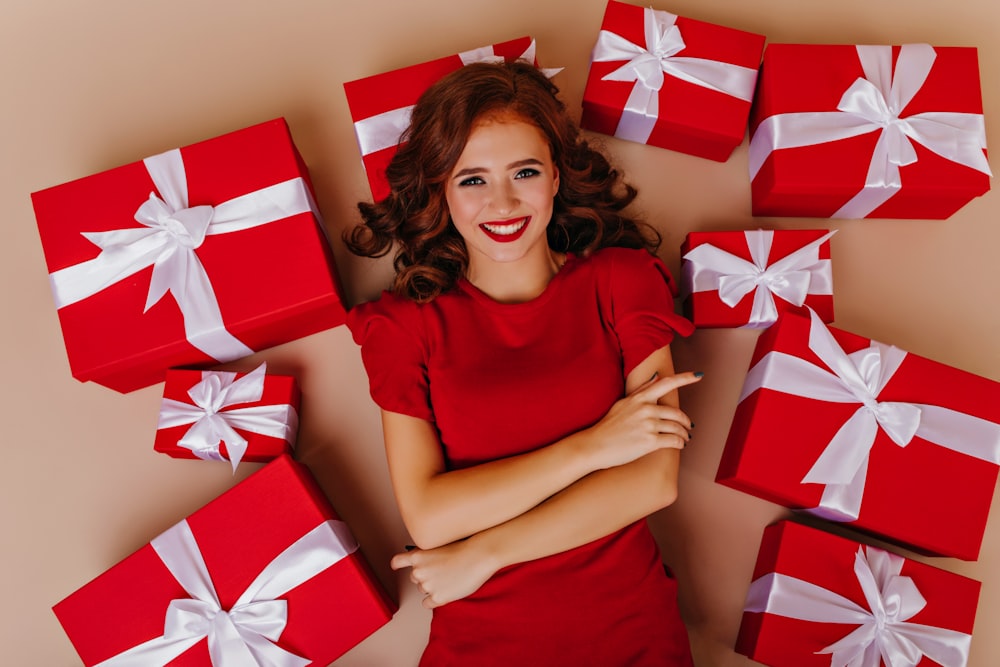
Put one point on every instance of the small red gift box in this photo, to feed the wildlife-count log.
(227, 226)
(380, 105)
(226, 416)
(867, 131)
(745, 279)
(670, 81)
(861, 432)
(263, 574)
(819, 599)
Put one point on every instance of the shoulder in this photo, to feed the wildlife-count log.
(388, 310)
(626, 268)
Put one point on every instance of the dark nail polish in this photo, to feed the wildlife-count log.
(699, 374)
(409, 547)
(692, 424)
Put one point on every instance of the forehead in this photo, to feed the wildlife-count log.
(504, 135)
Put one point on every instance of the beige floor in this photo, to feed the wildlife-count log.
(91, 85)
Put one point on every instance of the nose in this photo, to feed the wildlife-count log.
(504, 199)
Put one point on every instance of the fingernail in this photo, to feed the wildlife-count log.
(409, 547)
(699, 374)
(655, 375)
(692, 424)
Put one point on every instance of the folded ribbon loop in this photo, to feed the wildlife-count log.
(246, 634)
(171, 233)
(885, 632)
(214, 419)
(874, 104)
(859, 378)
(647, 64)
(792, 278)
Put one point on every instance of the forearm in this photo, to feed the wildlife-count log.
(589, 509)
(451, 505)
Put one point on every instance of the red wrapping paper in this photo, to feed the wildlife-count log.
(827, 560)
(274, 283)
(692, 119)
(925, 496)
(278, 390)
(238, 533)
(815, 181)
(401, 88)
(707, 310)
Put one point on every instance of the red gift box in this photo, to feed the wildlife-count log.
(833, 134)
(745, 279)
(819, 599)
(671, 81)
(864, 433)
(226, 416)
(380, 105)
(270, 552)
(230, 231)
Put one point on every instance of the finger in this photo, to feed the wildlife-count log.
(428, 602)
(399, 561)
(656, 390)
(669, 413)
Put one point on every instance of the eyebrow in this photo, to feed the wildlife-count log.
(469, 171)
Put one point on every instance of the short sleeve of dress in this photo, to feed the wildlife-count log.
(393, 354)
(641, 294)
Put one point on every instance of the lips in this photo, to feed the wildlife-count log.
(507, 230)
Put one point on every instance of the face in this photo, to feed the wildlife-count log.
(500, 192)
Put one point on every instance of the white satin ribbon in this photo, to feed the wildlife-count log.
(212, 424)
(647, 64)
(792, 278)
(874, 104)
(884, 632)
(168, 240)
(383, 130)
(245, 634)
(859, 377)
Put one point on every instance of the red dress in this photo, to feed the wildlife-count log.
(501, 379)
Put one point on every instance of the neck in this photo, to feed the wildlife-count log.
(515, 282)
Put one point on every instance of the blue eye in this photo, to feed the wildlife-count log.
(527, 173)
(472, 180)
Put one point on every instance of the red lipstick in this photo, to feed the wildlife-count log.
(505, 231)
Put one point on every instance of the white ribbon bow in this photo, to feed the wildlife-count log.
(647, 65)
(859, 378)
(168, 240)
(245, 634)
(885, 633)
(383, 130)
(792, 278)
(874, 104)
(213, 424)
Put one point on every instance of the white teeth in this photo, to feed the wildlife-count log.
(506, 230)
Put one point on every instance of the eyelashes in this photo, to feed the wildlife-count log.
(520, 175)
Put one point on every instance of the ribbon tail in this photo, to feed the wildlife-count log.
(764, 311)
(84, 280)
(156, 652)
(945, 647)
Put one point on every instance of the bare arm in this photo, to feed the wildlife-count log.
(610, 499)
(440, 507)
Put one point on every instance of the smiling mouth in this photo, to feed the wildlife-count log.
(505, 231)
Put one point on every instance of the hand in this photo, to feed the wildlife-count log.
(637, 424)
(447, 573)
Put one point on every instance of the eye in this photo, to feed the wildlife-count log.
(527, 172)
(472, 180)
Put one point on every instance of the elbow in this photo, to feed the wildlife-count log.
(664, 478)
(425, 532)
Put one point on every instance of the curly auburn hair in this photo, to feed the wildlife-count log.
(431, 255)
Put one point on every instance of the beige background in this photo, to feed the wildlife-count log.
(87, 86)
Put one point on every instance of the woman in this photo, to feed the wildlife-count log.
(528, 397)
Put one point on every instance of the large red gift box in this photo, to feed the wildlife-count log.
(867, 131)
(857, 431)
(228, 227)
(747, 278)
(671, 81)
(270, 553)
(227, 416)
(819, 599)
(380, 105)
